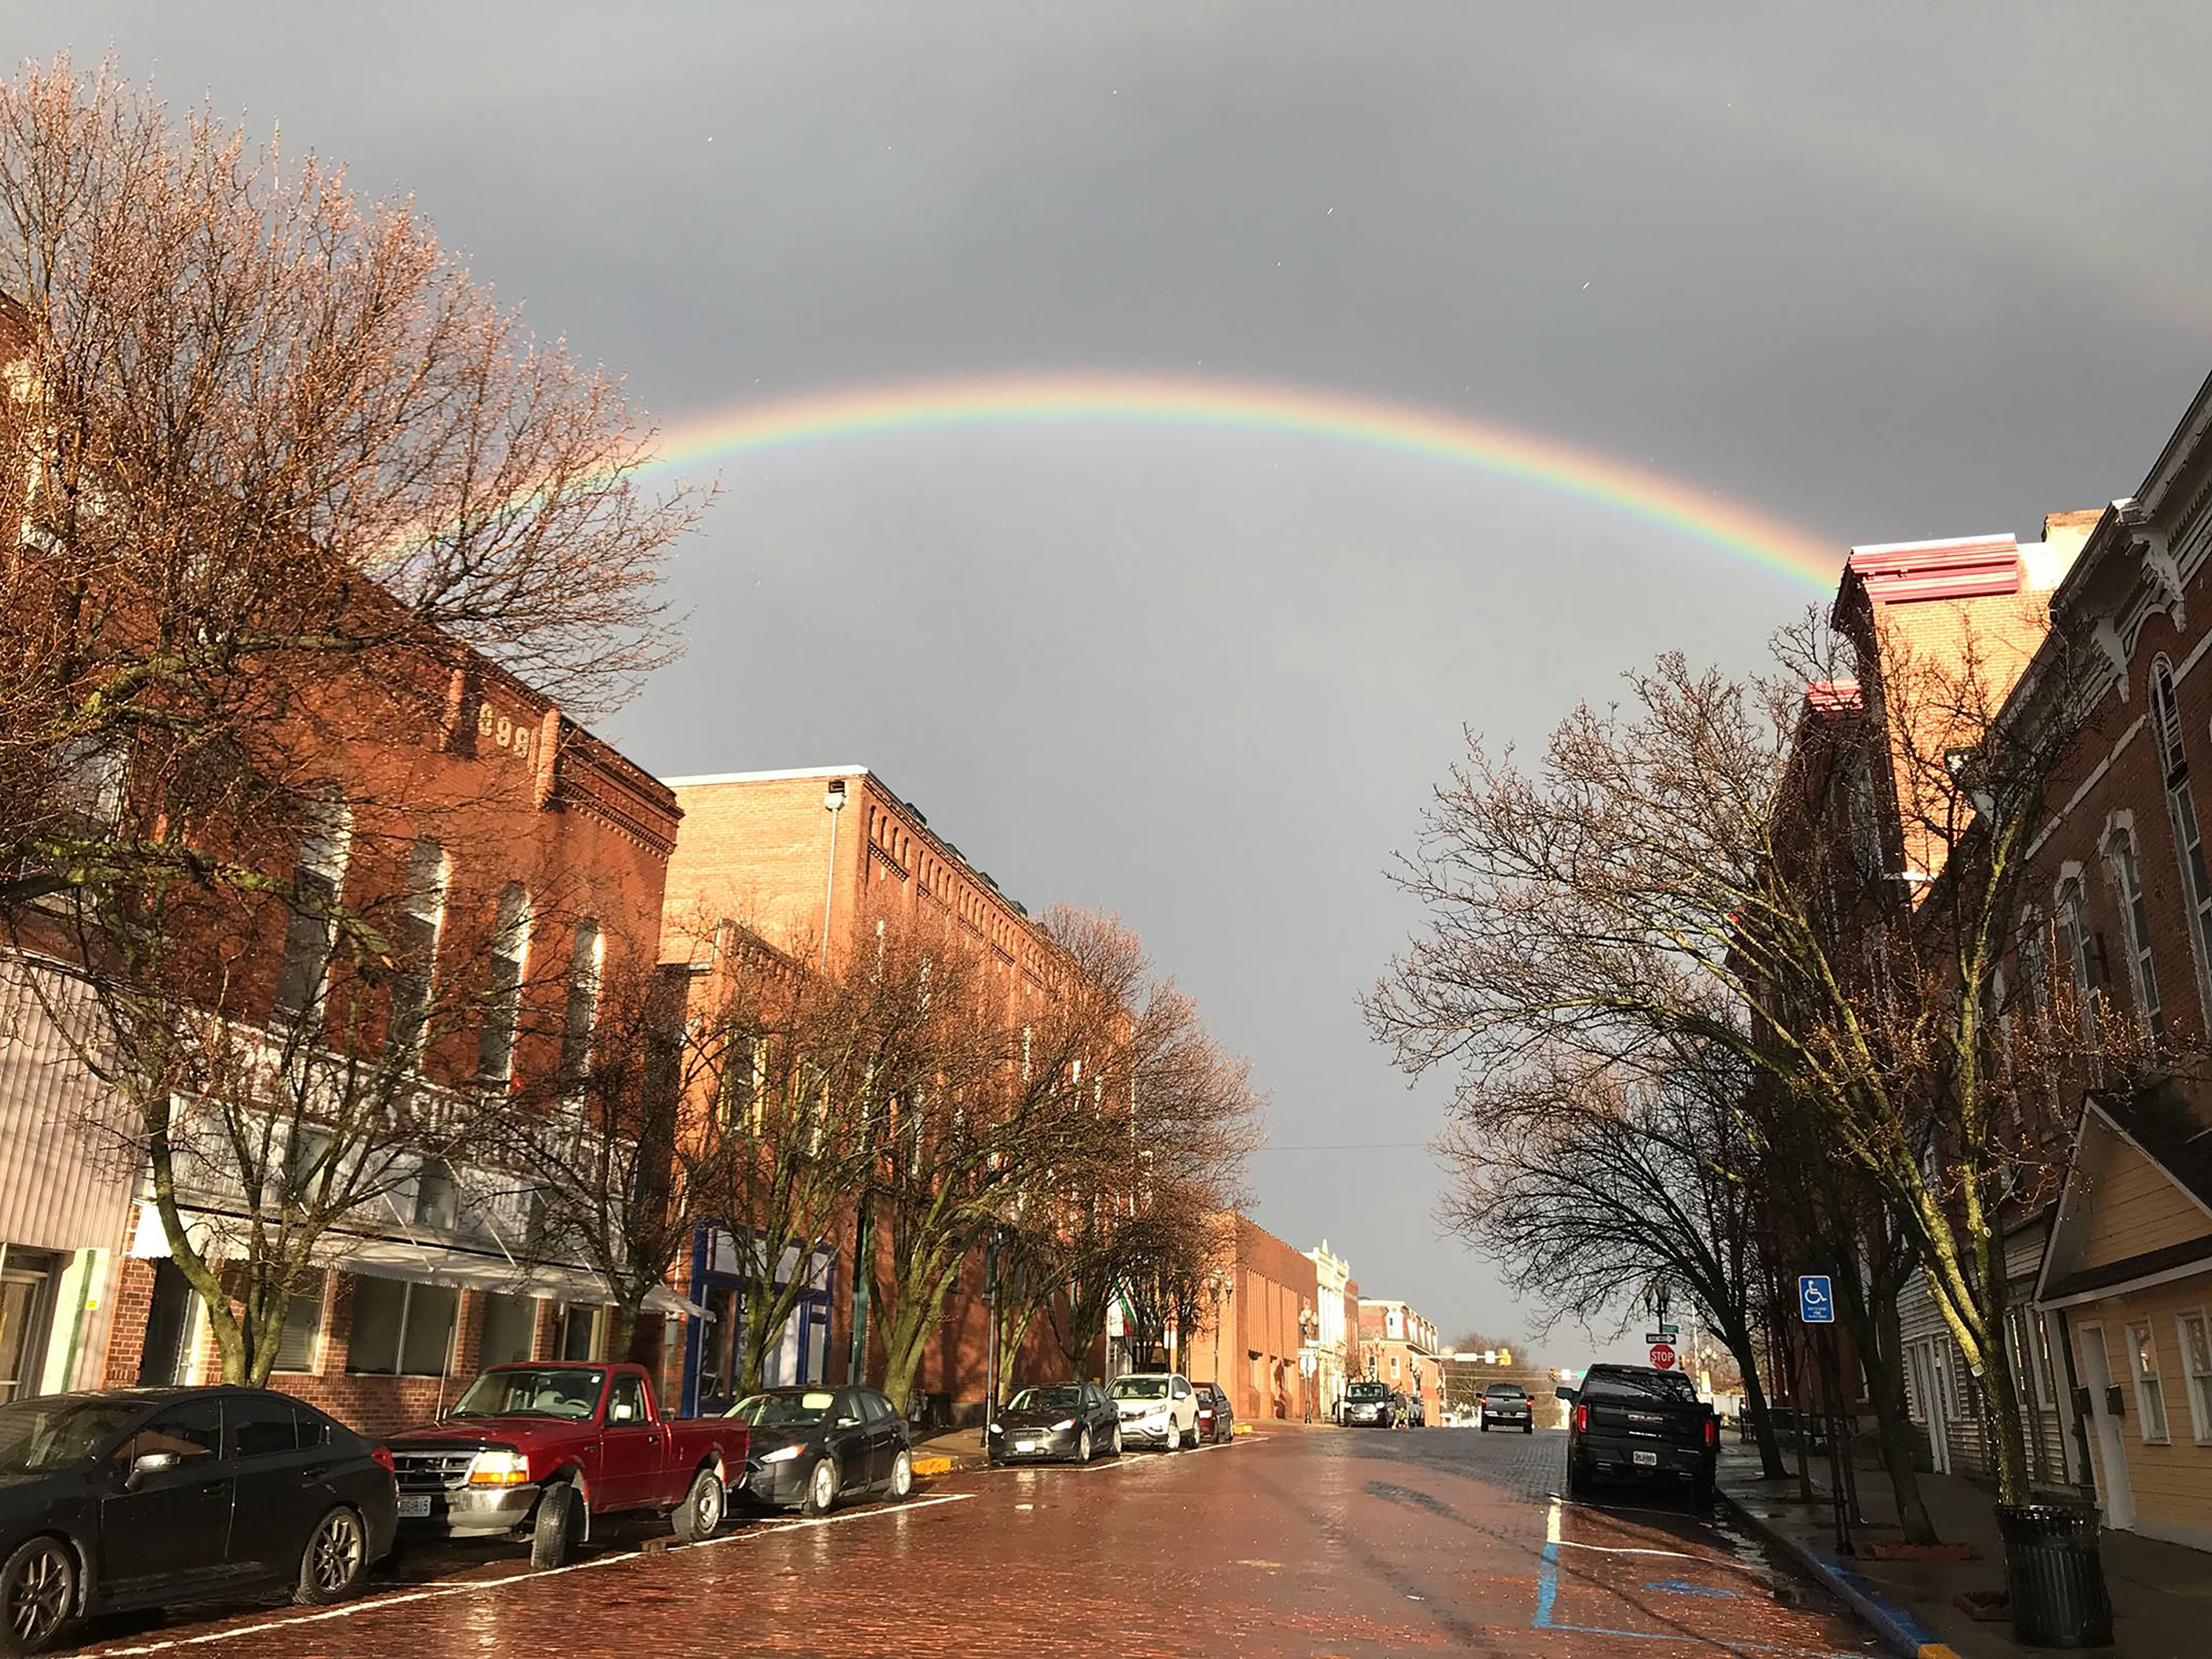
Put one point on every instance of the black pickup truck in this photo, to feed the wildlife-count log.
(1632, 1423)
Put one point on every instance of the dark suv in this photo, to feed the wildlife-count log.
(1631, 1422)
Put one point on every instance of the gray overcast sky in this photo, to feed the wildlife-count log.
(1881, 272)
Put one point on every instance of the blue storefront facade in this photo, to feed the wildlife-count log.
(719, 1285)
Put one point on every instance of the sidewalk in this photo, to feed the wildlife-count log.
(2162, 1593)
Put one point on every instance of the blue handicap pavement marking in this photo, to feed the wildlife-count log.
(1683, 1587)
(1816, 1306)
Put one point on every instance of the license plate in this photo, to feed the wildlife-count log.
(1647, 1460)
(1024, 1445)
(415, 1509)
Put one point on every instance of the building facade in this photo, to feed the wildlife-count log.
(809, 860)
(1257, 1341)
(1398, 1347)
(1336, 1328)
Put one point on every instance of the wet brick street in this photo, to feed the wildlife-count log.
(1294, 1541)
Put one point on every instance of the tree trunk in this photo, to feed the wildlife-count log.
(1876, 1335)
(1740, 1349)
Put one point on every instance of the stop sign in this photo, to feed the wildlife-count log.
(1663, 1356)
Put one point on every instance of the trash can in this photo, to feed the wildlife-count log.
(2056, 1577)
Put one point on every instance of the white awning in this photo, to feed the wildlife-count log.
(423, 1263)
(430, 1264)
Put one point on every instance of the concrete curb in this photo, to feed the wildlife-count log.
(1901, 1632)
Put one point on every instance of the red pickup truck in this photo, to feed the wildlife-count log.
(545, 1449)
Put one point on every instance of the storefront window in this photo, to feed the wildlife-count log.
(510, 1330)
(401, 1329)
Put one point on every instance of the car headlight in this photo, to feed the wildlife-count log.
(1063, 1425)
(782, 1454)
(997, 1428)
(499, 1468)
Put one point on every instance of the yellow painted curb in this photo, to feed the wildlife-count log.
(933, 1466)
(1938, 1651)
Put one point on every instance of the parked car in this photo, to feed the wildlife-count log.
(1504, 1406)
(546, 1449)
(1631, 1422)
(812, 1446)
(139, 1498)
(1417, 1411)
(1068, 1420)
(1215, 1421)
(1371, 1404)
(1159, 1408)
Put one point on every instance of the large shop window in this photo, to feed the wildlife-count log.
(510, 1330)
(401, 1329)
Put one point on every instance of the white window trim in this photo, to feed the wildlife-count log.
(2200, 1416)
(2146, 1386)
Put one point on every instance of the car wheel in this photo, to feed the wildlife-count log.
(1578, 1482)
(901, 1475)
(1530, 1427)
(821, 1488)
(1117, 1439)
(553, 1534)
(38, 1594)
(1701, 1491)
(701, 1511)
(335, 1560)
(1083, 1447)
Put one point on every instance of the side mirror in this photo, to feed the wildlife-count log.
(151, 1463)
(1567, 1394)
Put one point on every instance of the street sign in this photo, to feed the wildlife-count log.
(1658, 1336)
(1663, 1356)
(1816, 1304)
(1665, 1329)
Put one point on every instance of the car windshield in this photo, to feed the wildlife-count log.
(784, 1410)
(51, 1433)
(1367, 1391)
(1047, 1400)
(1639, 1387)
(564, 1391)
(1141, 1387)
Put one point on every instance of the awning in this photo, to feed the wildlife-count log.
(422, 1263)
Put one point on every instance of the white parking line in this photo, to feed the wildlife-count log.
(477, 1586)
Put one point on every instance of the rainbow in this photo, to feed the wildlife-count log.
(1666, 503)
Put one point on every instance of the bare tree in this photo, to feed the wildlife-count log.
(1673, 872)
(287, 492)
(1588, 1179)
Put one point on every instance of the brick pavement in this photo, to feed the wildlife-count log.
(1440, 1540)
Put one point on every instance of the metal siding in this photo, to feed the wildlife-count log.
(64, 1185)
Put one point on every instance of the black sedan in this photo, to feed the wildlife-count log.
(1068, 1421)
(149, 1497)
(812, 1447)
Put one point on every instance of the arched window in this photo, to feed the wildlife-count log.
(587, 957)
(510, 949)
(422, 914)
(311, 931)
(2070, 930)
(2181, 813)
(2135, 919)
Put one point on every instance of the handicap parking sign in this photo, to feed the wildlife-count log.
(1815, 1305)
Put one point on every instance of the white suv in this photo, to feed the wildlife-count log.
(1158, 1408)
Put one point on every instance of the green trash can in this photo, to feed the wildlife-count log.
(2056, 1576)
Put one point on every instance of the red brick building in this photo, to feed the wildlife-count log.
(516, 838)
(1257, 1343)
(1398, 1347)
(808, 861)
